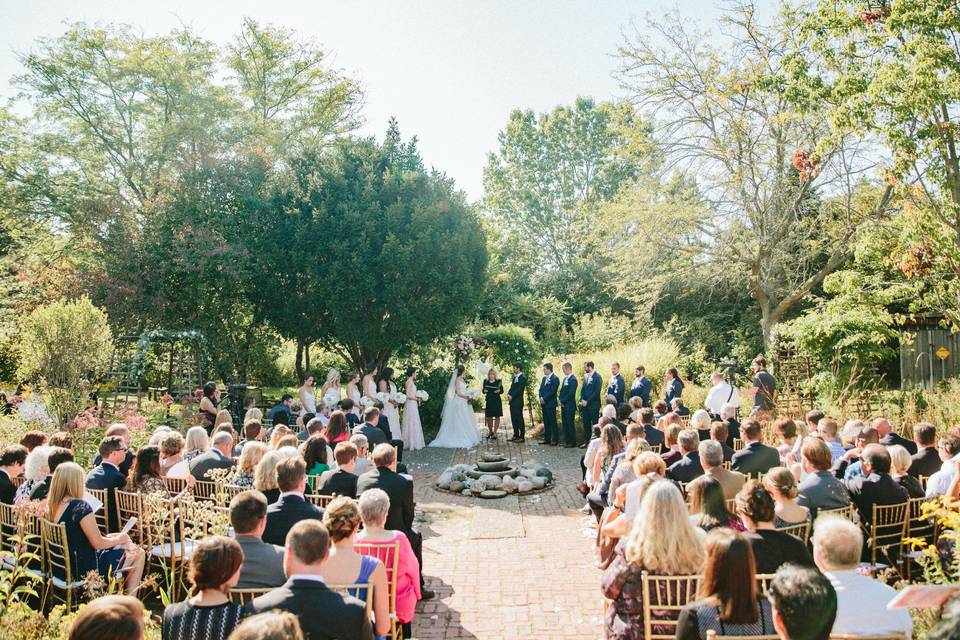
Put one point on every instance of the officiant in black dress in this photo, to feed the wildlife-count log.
(493, 409)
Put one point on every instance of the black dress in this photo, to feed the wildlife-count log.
(494, 405)
(184, 621)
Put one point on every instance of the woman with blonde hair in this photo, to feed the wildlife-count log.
(332, 383)
(700, 420)
(647, 468)
(223, 417)
(671, 442)
(108, 555)
(782, 486)
(623, 474)
(611, 443)
(900, 462)
(253, 414)
(198, 442)
(346, 566)
(662, 542)
(265, 475)
(250, 456)
(279, 433)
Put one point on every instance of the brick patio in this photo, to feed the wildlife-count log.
(518, 567)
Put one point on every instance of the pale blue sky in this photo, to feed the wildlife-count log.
(451, 71)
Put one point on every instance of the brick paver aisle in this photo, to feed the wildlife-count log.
(517, 567)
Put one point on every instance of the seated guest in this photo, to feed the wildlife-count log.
(786, 430)
(218, 457)
(340, 481)
(338, 429)
(61, 439)
(900, 462)
(875, 486)
(623, 473)
(314, 452)
(374, 507)
(711, 458)
(771, 548)
(939, 482)
(12, 459)
(820, 489)
(650, 433)
(383, 423)
(353, 417)
(146, 471)
(314, 428)
(35, 470)
(265, 475)
(660, 409)
(688, 467)
(250, 456)
(812, 420)
(755, 457)
(109, 618)
(90, 550)
(119, 429)
(106, 475)
(345, 566)
(611, 444)
(647, 467)
(661, 542)
(727, 598)
(33, 439)
(861, 600)
(363, 450)
(598, 498)
(58, 455)
(291, 507)
(828, 429)
(262, 562)
(889, 437)
(718, 432)
(926, 461)
(677, 407)
(782, 486)
(700, 422)
(708, 506)
(849, 466)
(803, 603)
(280, 413)
(672, 442)
(322, 613)
(369, 428)
(252, 429)
(198, 442)
(208, 614)
(172, 463)
(728, 416)
(273, 625)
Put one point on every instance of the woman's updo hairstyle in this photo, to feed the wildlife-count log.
(782, 480)
(341, 518)
(213, 563)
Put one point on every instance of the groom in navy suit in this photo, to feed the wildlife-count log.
(589, 401)
(616, 386)
(515, 398)
(641, 386)
(568, 405)
(549, 386)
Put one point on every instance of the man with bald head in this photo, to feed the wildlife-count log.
(889, 437)
(218, 457)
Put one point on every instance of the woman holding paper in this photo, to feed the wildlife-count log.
(89, 549)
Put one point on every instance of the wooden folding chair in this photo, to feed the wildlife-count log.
(320, 500)
(354, 590)
(389, 555)
(801, 530)
(919, 527)
(59, 570)
(663, 597)
(888, 525)
(244, 596)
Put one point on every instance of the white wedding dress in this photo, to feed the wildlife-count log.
(458, 425)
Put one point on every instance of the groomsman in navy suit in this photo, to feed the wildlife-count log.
(641, 386)
(515, 399)
(589, 401)
(549, 386)
(616, 386)
(568, 405)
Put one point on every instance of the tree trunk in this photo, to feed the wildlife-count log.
(767, 323)
(306, 352)
(298, 360)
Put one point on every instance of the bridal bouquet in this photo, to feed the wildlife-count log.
(422, 396)
(399, 397)
(383, 397)
(331, 399)
(473, 394)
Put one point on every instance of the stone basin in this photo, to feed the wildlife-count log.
(500, 465)
(477, 474)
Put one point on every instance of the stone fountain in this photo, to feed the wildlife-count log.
(494, 476)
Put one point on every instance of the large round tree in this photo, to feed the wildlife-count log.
(364, 251)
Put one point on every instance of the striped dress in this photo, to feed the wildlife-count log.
(184, 621)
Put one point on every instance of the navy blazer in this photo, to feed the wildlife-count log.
(323, 614)
(616, 388)
(653, 436)
(641, 388)
(673, 390)
(549, 386)
(516, 389)
(686, 469)
(895, 438)
(590, 391)
(106, 476)
(398, 489)
(755, 458)
(568, 392)
(283, 514)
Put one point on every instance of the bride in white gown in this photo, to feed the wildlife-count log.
(458, 425)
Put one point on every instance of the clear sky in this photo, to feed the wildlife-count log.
(450, 70)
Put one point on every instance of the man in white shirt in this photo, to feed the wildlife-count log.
(720, 394)
(949, 449)
(861, 600)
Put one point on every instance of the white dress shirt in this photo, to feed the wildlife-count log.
(862, 606)
(718, 396)
(938, 483)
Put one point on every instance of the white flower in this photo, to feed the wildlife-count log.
(422, 396)
(399, 397)
(383, 397)
(331, 399)
(473, 394)
(366, 401)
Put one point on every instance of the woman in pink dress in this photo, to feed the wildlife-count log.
(390, 409)
(411, 427)
(353, 391)
(374, 506)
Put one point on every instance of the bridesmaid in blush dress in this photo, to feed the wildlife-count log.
(369, 386)
(411, 427)
(353, 392)
(390, 406)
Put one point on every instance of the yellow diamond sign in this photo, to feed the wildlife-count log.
(943, 353)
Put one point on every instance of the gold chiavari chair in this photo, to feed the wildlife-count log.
(389, 555)
(685, 419)
(354, 590)
(175, 485)
(737, 444)
(801, 530)
(19, 480)
(233, 490)
(923, 481)
(849, 512)
(663, 598)
(10, 536)
(244, 596)
(919, 527)
(33, 545)
(728, 465)
(888, 525)
(763, 582)
(319, 500)
(129, 504)
(656, 448)
(101, 514)
(60, 572)
(206, 489)
(169, 547)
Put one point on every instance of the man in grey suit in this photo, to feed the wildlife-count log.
(323, 614)
(218, 457)
(755, 457)
(262, 563)
(820, 489)
(369, 428)
(711, 459)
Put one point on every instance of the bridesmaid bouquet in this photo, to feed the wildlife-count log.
(399, 397)
(331, 399)
(422, 396)
(366, 402)
(383, 397)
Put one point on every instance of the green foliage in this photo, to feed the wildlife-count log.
(596, 331)
(656, 354)
(507, 344)
(65, 346)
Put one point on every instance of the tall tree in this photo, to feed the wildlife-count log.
(727, 117)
